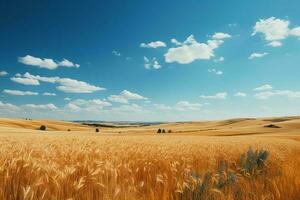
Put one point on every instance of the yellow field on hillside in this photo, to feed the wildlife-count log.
(197, 160)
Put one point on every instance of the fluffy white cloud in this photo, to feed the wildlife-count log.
(155, 44)
(92, 105)
(27, 108)
(275, 44)
(221, 36)
(49, 106)
(3, 73)
(65, 84)
(67, 63)
(67, 99)
(74, 86)
(116, 53)
(295, 31)
(47, 63)
(125, 96)
(73, 107)
(40, 78)
(191, 50)
(272, 28)
(215, 71)
(176, 42)
(8, 106)
(117, 99)
(240, 94)
(221, 59)
(162, 107)
(257, 55)
(24, 80)
(185, 105)
(49, 94)
(284, 93)
(275, 30)
(20, 93)
(151, 64)
(220, 95)
(263, 87)
(132, 108)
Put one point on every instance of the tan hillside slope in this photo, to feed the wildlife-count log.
(52, 125)
(240, 126)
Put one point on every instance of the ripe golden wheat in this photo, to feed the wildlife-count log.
(52, 166)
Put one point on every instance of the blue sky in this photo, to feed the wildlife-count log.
(149, 60)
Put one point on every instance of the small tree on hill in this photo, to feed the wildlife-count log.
(43, 128)
(97, 130)
(159, 130)
(163, 131)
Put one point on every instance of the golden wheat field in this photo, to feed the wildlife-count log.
(232, 159)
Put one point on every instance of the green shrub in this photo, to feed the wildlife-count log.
(253, 162)
(210, 185)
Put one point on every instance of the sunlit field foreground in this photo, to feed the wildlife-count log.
(87, 165)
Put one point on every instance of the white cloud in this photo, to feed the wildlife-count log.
(216, 72)
(263, 87)
(72, 107)
(20, 93)
(117, 99)
(257, 55)
(275, 44)
(74, 86)
(272, 28)
(176, 42)
(190, 50)
(92, 105)
(295, 31)
(27, 108)
(240, 94)
(221, 36)
(24, 80)
(125, 96)
(155, 44)
(162, 107)
(127, 109)
(49, 94)
(67, 63)
(8, 106)
(47, 63)
(275, 30)
(67, 99)
(49, 106)
(220, 95)
(67, 85)
(3, 73)
(185, 105)
(151, 64)
(40, 78)
(132, 96)
(284, 93)
(116, 53)
(217, 60)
